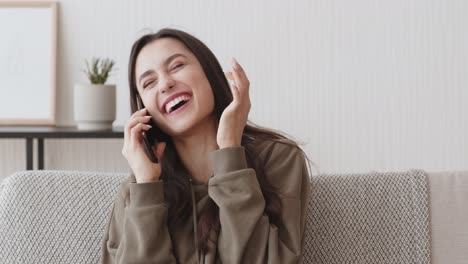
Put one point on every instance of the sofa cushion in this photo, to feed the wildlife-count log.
(375, 217)
(55, 216)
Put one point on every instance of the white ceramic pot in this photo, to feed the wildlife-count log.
(94, 106)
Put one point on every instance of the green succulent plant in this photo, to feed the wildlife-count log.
(98, 70)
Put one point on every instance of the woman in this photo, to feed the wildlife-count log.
(222, 190)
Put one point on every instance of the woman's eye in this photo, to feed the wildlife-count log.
(178, 65)
(148, 83)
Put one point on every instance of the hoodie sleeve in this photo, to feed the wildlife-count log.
(246, 234)
(137, 232)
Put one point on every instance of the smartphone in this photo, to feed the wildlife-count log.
(146, 136)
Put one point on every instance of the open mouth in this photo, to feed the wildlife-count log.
(175, 107)
(177, 103)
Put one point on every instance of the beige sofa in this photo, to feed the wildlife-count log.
(449, 216)
(59, 217)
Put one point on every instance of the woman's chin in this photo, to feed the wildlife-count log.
(179, 131)
(188, 125)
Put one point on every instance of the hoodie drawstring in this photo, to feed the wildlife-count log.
(195, 221)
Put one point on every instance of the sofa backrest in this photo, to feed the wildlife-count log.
(374, 217)
(55, 216)
(59, 217)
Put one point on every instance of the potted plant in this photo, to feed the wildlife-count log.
(94, 103)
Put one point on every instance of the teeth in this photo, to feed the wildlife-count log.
(176, 101)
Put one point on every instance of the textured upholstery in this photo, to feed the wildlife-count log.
(59, 217)
(369, 218)
(54, 216)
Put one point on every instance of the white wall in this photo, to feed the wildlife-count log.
(368, 85)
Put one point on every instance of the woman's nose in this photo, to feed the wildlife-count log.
(166, 84)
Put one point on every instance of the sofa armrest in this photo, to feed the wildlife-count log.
(448, 194)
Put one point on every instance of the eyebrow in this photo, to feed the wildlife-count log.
(166, 62)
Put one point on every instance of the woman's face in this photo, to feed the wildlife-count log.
(173, 86)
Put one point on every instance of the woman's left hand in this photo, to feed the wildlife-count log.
(234, 117)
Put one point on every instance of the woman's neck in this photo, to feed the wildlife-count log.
(194, 150)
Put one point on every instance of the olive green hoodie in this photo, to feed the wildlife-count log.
(137, 231)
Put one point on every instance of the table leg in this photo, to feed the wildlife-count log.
(29, 153)
(40, 153)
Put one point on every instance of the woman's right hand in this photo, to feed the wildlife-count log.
(143, 168)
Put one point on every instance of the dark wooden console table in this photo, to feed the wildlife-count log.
(43, 132)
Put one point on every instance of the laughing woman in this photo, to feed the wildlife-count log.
(222, 191)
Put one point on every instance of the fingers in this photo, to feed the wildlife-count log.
(239, 75)
(241, 85)
(234, 89)
(137, 117)
(135, 133)
(133, 129)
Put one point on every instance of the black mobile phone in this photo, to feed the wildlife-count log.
(146, 136)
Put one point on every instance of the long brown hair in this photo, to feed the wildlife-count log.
(174, 174)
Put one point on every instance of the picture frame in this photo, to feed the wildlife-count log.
(28, 63)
